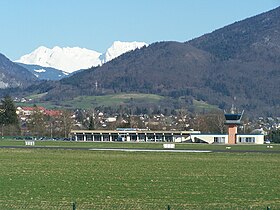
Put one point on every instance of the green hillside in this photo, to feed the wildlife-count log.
(89, 102)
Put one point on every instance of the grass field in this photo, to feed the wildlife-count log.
(52, 179)
(111, 100)
(203, 106)
(89, 102)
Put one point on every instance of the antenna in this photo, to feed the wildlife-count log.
(96, 85)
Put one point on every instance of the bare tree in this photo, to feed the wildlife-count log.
(37, 122)
(216, 122)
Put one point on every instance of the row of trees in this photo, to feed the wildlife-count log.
(41, 124)
(38, 124)
(180, 119)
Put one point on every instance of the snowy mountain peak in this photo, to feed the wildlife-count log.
(70, 59)
(119, 48)
(66, 59)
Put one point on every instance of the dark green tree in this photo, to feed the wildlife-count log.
(8, 117)
(8, 113)
(274, 136)
(91, 123)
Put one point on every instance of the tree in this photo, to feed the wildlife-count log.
(91, 123)
(216, 122)
(199, 122)
(274, 136)
(212, 122)
(37, 123)
(8, 117)
(182, 119)
(66, 123)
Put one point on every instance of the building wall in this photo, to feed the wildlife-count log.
(209, 138)
(240, 138)
(131, 135)
(232, 131)
(250, 139)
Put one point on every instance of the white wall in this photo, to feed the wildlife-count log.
(209, 138)
(258, 138)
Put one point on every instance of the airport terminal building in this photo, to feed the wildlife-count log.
(132, 134)
(232, 120)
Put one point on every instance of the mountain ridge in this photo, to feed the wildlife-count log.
(237, 64)
(71, 59)
(13, 75)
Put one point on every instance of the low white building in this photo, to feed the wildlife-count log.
(250, 139)
(111, 119)
(209, 138)
(223, 138)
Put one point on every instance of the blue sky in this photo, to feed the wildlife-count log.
(95, 24)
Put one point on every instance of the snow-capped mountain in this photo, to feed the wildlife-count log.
(66, 59)
(119, 48)
(72, 59)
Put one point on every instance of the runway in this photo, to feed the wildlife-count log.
(139, 150)
(151, 150)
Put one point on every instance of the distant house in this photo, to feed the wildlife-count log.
(25, 112)
(111, 119)
(53, 113)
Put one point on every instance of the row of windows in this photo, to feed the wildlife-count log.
(219, 139)
(241, 139)
(247, 139)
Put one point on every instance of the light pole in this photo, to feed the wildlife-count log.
(51, 130)
(2, 132)
(2, 112)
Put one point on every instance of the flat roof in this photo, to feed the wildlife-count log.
(133, 131)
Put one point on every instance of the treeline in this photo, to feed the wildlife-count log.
(38, 124)
(43, 125)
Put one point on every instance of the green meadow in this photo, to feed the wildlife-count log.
(89, 102)
(110, 100)
(54, 179)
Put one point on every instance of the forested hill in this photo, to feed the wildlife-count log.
(13, 75)
(240, 61)
(249, 61)
(256, 36)
(168, 68)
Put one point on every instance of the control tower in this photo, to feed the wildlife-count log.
(233, 120)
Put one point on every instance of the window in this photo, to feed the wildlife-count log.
(219, 139)
(247, 139)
